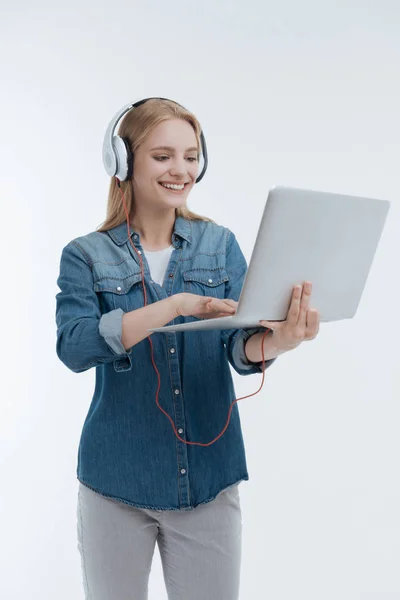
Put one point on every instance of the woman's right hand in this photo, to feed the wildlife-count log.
(203, 307)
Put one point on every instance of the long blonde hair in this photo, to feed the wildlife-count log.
(135, 126)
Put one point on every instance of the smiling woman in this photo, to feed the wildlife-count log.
(168, 134)
(152, 171)
(154, 261)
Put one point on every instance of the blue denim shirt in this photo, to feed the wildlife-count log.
(128, 449)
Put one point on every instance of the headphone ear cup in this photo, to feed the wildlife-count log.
(129, 158)
(122, 152)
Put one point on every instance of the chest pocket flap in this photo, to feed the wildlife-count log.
(206, 282)
(116, 285)
(208, 277)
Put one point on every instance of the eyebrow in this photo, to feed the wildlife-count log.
(194, 148)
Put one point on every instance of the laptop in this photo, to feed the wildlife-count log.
(305, 235)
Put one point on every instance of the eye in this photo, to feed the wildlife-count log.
(164, 157)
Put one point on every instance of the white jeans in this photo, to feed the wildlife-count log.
(200, 549)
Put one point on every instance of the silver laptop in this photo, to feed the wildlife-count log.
(328, 239)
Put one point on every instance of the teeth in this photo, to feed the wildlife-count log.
(173, 186)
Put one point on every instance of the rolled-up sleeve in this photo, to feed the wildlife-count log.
(110, 327)
(235, 340)
(85, 337)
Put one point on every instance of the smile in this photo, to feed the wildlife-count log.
(174, 186)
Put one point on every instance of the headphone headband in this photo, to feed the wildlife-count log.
(117, 158)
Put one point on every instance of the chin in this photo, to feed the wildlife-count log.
(175, 202)
(178, 204)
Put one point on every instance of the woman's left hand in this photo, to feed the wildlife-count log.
(302, 323)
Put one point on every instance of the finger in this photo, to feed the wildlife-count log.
(217, 305)
(214, 315)
(294, 308)
(304, 304)
(231, 302)
(313, 320)
(227, 302)
(212, 312)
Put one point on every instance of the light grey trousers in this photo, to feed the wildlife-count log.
(200, 549)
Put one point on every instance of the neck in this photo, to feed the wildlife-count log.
(154, 227)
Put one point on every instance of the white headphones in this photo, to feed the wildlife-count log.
(117, 155)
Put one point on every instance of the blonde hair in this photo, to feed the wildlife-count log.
(135, 126)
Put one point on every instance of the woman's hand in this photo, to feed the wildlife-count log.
(203, 307)
(302, 323)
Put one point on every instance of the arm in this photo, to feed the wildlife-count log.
(135, 324)
(85, 337)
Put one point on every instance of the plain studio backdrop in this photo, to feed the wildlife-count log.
(302, 94)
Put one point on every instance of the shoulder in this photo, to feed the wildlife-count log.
(211, 232)
(91, 245)
(92, 239)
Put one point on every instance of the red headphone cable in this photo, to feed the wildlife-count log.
(152, 352)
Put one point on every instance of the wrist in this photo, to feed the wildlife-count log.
(174, 301)
(253, 347)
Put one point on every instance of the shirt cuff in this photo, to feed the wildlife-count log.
(110, 327)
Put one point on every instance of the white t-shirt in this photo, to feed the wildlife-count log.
(158, 263)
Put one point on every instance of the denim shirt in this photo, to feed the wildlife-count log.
(128, 449)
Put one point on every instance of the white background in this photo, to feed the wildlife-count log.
(288, 93)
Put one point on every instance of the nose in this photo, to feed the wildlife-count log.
(178, 167)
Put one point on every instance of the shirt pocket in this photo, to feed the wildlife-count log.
(206, 282)
(119, 290)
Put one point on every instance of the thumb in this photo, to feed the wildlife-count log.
(273, 325)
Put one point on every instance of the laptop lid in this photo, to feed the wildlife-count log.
(304, 235)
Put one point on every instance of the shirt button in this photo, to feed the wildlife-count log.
(183, 471)
(171, 275)
(210, 281)
(176, 392)
(172, 350)
(119, 289)
(139, 252)
(180, 430)
(135, 236)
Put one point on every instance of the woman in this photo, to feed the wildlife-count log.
(145, 478)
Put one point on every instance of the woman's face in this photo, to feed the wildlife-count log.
(168, 155)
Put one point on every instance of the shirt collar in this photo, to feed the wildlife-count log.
(182, 229)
